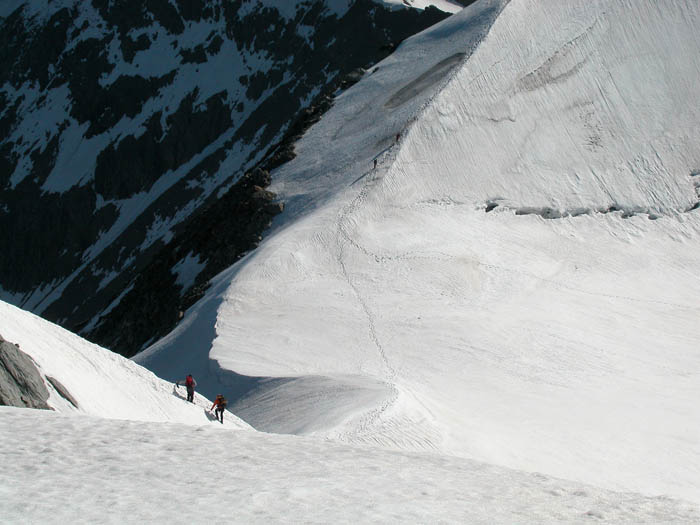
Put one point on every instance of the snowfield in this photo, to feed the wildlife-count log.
(516, 280)
(93, 470)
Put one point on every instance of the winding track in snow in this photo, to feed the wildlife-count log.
(345, 239)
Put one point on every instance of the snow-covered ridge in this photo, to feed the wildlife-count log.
(102, 383)
(445, 5)
(563, 346)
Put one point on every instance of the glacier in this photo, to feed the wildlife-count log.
(515, 281)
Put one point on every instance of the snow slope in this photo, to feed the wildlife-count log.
(516, 282)
(158, 472)
(103, 383)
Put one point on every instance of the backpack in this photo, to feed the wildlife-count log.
(222, 402)
(189, 381)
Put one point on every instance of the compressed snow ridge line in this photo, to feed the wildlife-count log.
(444, 5)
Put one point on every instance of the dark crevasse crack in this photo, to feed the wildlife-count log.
(625, 212)
(546, 212)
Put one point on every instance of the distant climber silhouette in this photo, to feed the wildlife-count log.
(190, 385)
(220, 404)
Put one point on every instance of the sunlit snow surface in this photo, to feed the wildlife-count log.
(90, 470)
(445, 5)
(412, 318)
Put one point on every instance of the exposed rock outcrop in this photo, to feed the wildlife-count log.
(21, 384)
(62, 390)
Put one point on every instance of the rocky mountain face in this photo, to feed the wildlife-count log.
(21, 384)
(137, 137)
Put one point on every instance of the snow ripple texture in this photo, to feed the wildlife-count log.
(91, 470)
